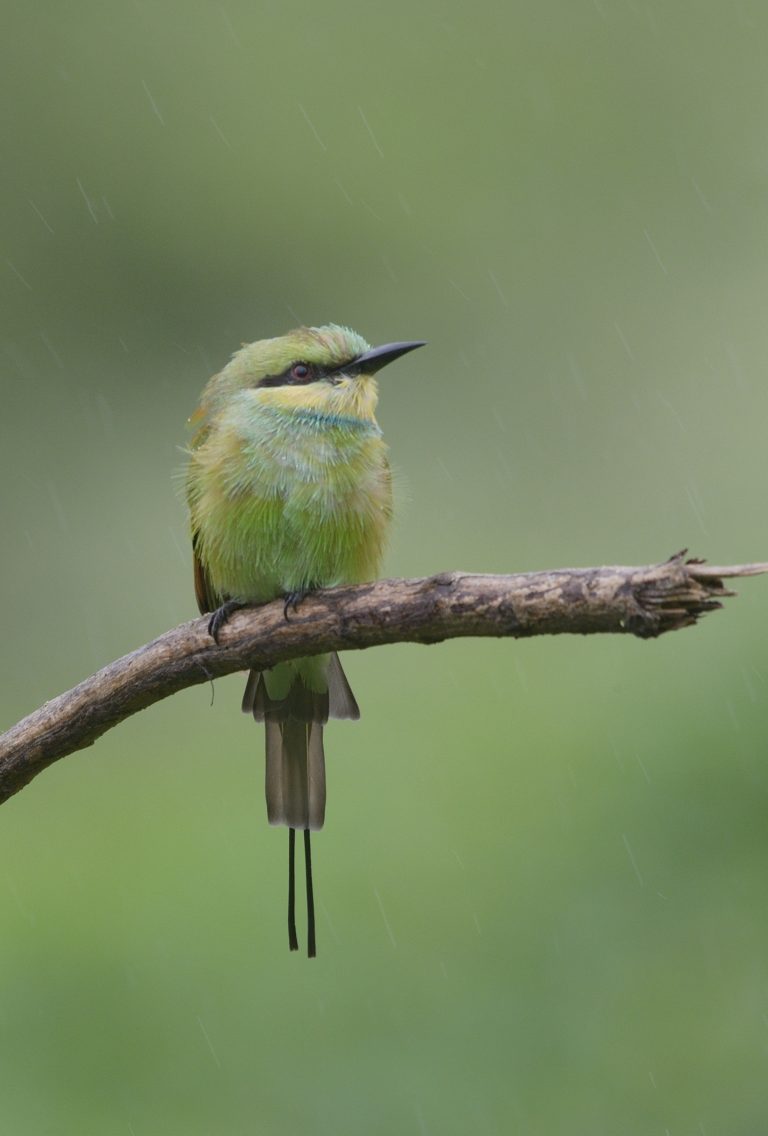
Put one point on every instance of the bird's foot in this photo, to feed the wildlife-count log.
(293, 599)
(220, 617)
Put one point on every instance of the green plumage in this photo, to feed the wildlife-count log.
(289, 489)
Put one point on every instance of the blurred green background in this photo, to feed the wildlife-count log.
(542, 882)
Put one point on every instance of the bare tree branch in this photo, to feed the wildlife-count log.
(640, 601)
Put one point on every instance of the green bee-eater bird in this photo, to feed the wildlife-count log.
(289, 489)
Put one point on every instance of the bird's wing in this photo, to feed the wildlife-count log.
(207, 599)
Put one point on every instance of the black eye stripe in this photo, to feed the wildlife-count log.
(287, 378)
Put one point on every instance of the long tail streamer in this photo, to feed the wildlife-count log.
(293, 940)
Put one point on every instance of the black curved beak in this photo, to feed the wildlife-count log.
(378, 357)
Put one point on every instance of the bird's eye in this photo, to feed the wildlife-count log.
(299, 372)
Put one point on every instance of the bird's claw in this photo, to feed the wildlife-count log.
(220, 617)
(293, 599)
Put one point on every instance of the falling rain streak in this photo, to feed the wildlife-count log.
(152, 102)
(632, 860)
(367, 126)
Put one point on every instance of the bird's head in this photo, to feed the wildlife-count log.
(328, 369)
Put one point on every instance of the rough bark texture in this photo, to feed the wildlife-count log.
(644, 602)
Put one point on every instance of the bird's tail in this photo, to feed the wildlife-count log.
(295, 700)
